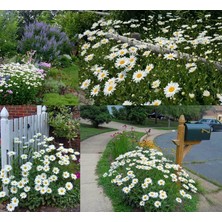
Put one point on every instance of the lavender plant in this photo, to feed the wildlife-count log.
(48, 41)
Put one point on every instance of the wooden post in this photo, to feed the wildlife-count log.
(180, 138)
(183, 147)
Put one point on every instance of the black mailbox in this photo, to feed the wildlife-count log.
(197, 132)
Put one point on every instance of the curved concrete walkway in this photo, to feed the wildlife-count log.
(92, 196)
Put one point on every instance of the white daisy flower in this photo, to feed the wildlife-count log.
(69, 186)
(138, 76)
(171, 89)
(157, 204)
(95, 90)
(109, 89)
(85, 84)
(10, 207)
(61, 191)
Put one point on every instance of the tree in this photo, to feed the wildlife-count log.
(96, 114)
(190, 112)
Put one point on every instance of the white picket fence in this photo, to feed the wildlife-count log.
(23, 128)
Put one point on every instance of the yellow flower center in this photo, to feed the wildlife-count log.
(139, 75)
(103, 75)
(172, 89)
(122, 62)
(110, 88)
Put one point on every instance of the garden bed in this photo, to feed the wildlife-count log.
(129, 202)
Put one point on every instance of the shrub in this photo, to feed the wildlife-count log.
(8, 33)
(148, 181)
(48, 41)
(63, 123)
(51, 99)
(74, 23)
(20, 83)
(54, 86)
(47, 177)
(96, 114)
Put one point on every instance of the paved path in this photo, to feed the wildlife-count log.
(92, 196)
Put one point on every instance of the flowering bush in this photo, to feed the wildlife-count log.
(45, 177)
(48, 41)
(20, 83)
(117, 70)
(148, 181)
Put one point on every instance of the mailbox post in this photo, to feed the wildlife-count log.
(187, 136)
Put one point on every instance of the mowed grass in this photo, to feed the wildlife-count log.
(87, 131)
(161, 124)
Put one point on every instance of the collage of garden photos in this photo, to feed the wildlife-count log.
(110, 111)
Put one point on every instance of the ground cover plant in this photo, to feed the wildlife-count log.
(177, 60)
(140, 178)
(47, 177)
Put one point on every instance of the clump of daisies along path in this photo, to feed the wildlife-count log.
(176, 62)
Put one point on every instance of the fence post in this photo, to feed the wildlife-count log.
(5, 136)
(39, 109)
(45, 121)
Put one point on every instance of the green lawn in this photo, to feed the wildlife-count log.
(87, 131)
(163, 124)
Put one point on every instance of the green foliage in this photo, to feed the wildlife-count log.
(68, 75)
(63, 123)
(134, 114)
(51, 99)
(53, 86)
(63, 61)
(8, 33)
(96, 114)
(123, 142)
(120, 113)
(74, 23)
(190, 112)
